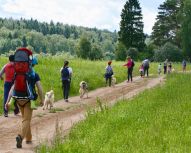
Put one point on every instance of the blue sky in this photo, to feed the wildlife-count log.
(103, 14)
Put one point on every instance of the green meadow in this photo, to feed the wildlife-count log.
(90, 71)
(155, 121)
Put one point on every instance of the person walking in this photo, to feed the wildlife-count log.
(146, 67)
(159, 69)
(184, 65)
(26, 111)
(9, 71)
(108, 73)
(130, 64)
(165, 66)
(66, 74)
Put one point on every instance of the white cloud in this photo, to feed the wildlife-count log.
(149, 16)
(89, 13)
(103, 14)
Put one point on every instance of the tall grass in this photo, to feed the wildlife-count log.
(158, 120)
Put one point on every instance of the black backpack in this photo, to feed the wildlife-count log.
(133, 63)
(65, 74)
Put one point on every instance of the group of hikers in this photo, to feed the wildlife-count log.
(18, 71)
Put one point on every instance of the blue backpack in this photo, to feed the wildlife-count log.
(65, 74)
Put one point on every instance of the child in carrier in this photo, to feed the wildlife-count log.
(141, 70)
(31, 75)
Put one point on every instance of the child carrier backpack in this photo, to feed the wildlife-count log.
(23, 74)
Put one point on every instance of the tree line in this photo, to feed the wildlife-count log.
(170, 37)
(55, 38)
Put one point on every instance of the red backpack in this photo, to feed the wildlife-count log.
(23, 67)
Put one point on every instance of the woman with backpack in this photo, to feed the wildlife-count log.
(66, 74)
(130, 64)
(108, 73)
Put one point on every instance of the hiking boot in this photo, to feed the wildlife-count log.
(33, 106)
(5, 114)
(19, 141)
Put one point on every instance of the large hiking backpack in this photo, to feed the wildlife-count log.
(23, 71)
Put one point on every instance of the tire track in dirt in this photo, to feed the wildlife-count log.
(44, 123)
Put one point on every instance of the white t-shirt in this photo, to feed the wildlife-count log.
(69, 69)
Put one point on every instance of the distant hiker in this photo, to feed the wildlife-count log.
(141, 70)
(24, 83)
(130, 64)
(159, 68)
(169, 67)
(184, 65)
(108, 73)
(66, 74)
(165, 66)
(146, 67)
(9, 71)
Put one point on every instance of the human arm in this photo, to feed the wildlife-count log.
(2, 72)
(40, 92)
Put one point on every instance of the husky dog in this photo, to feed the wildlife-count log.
(49, 100)
(83, 89)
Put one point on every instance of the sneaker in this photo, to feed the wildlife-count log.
(33, 106)
(66, 100)
(19, 141)
(6, 114)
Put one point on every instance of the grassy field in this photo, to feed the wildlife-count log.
(89, 71)
(156, 121)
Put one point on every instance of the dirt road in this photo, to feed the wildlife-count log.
(66, 114)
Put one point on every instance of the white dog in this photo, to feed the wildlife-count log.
(113, 80)
(49, 100)
(83, 89)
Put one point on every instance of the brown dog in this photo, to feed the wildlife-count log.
(83, 89)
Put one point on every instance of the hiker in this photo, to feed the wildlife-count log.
(169, 67)
(66, 74)
(146, 67)
(141, 70)
(184, 65)
(9, 71)
(165, 66)
(23, 102)
(159, 69)
(130, 64)
(108, 73)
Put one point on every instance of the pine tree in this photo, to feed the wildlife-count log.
(186, 28)
(167, 26)
(131, 26)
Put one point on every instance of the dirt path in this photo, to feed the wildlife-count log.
(44, 123)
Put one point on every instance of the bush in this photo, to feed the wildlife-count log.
(133, 53)
(168, 51)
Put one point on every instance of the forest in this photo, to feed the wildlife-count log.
(170, 37)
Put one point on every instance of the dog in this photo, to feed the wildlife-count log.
(113, 80)
(83, 89)
(49, 100)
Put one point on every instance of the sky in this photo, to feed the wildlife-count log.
(102, 14)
